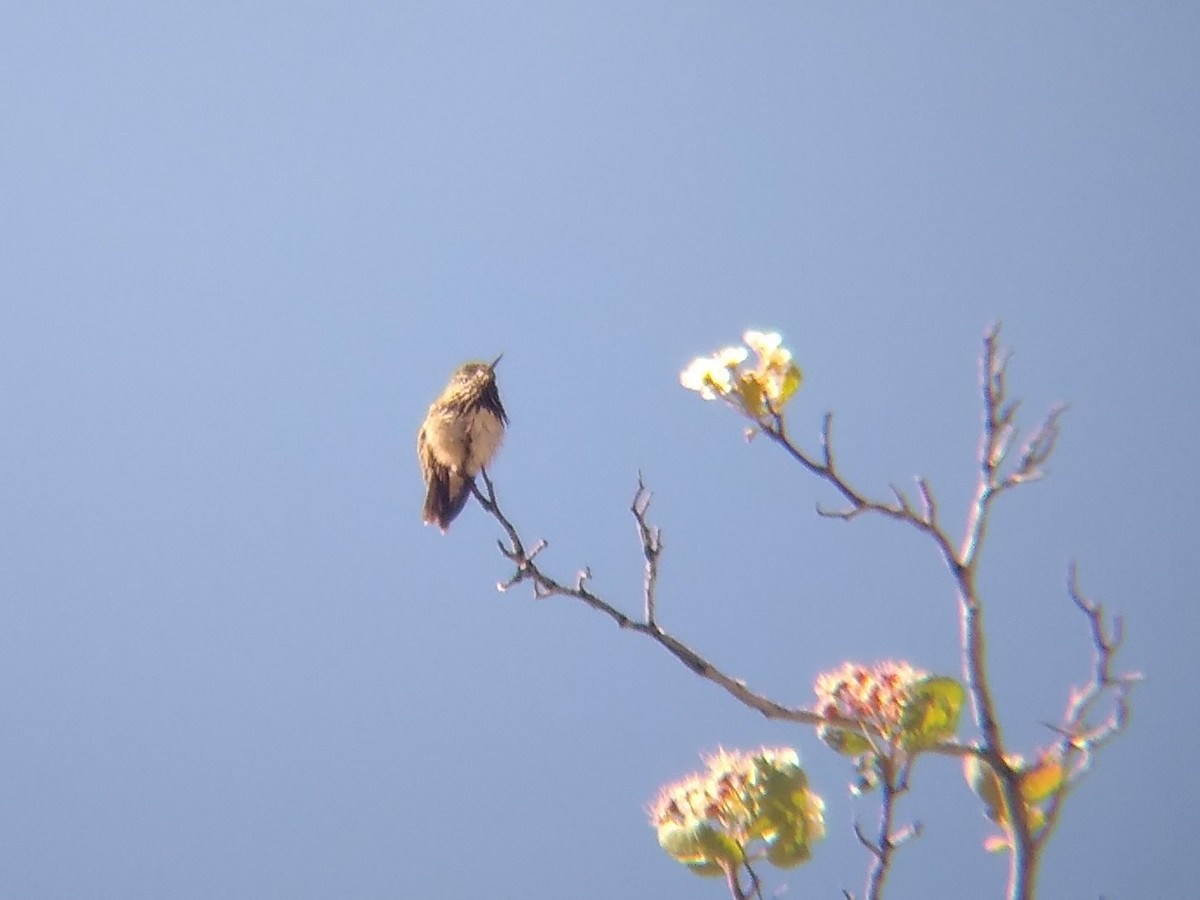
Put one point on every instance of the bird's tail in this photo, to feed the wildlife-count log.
(445, 498)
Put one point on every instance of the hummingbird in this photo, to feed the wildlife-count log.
(459, 437)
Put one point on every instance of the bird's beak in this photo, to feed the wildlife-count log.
(496, 360)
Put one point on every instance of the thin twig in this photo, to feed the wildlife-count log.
(527, 569)
(1079, 739)
(893, 782)
(857, 503)
(652, 547)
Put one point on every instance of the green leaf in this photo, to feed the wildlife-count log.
(790, 815)
(843, 741)
(702, 848)
(932, 714)
(751, 394)
(783, 795)
(789, 854)
(1042, 781)
(791, 382)
(986, 785)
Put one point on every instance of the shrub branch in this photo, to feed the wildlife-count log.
(1004, 462)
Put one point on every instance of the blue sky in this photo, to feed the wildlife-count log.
(242, 246)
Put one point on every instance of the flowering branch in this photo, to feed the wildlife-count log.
(882, 716)
(742, 808)
(907, 711)
(999, 435)
(760, 392)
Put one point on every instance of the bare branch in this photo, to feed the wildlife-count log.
(1079, 737)
(755, 882)
(652, 547)
(1038, 449)
(928, 505)
(893, 783)
(902, 502)
(545, 586)
(866, 841)
(899, 509)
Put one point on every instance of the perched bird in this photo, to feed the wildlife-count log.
(459, 436)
